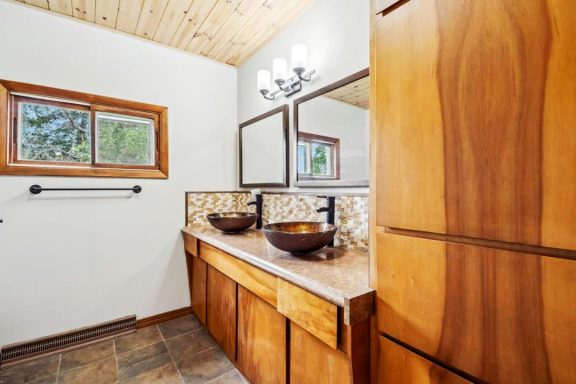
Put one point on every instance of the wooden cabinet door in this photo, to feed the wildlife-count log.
(313, 362)
(261, 340)
(198, 289)
(474, 110)
(398, 365)
(221, 311)
(502, 316)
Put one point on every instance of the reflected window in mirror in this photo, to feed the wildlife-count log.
(264, 150)
(318, 157)
(332, 134)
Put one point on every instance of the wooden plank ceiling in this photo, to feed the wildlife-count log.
(228, 31)
(356, 93)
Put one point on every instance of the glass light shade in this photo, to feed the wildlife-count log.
(264, 82)
(279, 69)
(299, 58)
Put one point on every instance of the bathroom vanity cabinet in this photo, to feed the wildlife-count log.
(273, 330)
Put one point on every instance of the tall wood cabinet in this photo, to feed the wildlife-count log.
(473, 206)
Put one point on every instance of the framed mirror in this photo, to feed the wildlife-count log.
(264, 150)
(332, 129)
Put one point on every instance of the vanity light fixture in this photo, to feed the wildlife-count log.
(288, 85)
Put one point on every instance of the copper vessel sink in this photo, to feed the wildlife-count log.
(299, 237)
(232, 221)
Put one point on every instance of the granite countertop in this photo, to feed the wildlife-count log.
(337, 274)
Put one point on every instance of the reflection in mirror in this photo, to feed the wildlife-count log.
(263, 150)
(332, 126)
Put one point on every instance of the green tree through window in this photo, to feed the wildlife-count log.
(50, 133)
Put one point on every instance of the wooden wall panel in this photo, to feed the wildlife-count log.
(470, 139)
(229, 31)
(407, 120)
(261, 340)
(503, 317)
(401, 366)
(559, 140)
(221, 311)
(313, 362)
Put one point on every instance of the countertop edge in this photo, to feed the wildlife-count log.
(328, 293)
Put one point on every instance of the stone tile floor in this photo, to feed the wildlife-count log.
(177, 351)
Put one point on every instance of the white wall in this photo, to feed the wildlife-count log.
(69, 260)
(337, 34)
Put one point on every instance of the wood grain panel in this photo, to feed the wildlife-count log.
(150, 17)
(106, 12)
(128, 15)
(190, 244)
(559, 140)
(221, 311)
(312, 361)
(174, 14)
(198, 294)
(261, 340)
(470, 142)
(190, 24)
(256, 280)
(212, 24)
(501, 316)
(238, 19)
(401, 366)
(84, 9)
(407, 138)
(312, 313)
(356, 93)
(209, 28)
(38, 3)
(61, 6)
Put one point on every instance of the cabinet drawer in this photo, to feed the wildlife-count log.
(400, 366)
(456, 301)
(309, 311)
(190, 244)
(256, 280)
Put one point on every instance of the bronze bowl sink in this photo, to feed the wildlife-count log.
(299, 237)
(232, 221)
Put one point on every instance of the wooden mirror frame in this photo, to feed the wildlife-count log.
(286, 169)
(335, 183)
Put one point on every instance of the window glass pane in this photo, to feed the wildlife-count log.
(321, 159)
(302, 158)
(53, 133)
(124, 139)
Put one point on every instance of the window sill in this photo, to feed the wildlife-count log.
(31, 170)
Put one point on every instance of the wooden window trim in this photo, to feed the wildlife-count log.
(310, 138)
(8, 165)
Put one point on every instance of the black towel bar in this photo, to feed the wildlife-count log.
(36, 189)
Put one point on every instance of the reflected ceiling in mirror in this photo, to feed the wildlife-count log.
(332, 134)
(264, 150)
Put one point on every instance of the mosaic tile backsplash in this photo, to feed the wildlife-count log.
(351, 211)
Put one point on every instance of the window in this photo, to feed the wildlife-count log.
(63, 133)
(318, 157)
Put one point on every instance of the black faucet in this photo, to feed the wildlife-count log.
(331, 213)
(258, 204)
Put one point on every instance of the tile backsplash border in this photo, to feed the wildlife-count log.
(351, 210)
